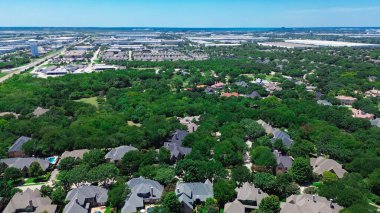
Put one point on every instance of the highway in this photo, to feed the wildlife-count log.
(18, 70)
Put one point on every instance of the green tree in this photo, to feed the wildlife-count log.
(211, 205)
(94, 158)
(164, 155)
(263, 156)
(252, 128)
(103, 173)
(58, 196)
(270, 204)
(164, 175)
(67, 163)
(374, 181)
(301, 170)
(224, 191)
(12, 173)
(241, 174)
(131, 161)
(46, 191)
(329, 177)
(117, 194)
(170, 201)
(35, 169)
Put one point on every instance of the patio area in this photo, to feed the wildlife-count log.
(100, 209)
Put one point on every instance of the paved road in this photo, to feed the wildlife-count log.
(18, 70)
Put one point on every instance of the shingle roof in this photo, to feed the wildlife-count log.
(307, 204)
(234, 207)
(254, 95)
(322, 164)
(286, 140)
(74, 207)
(17, 145)
(375, 122)
(118, 153)
(175, 144)
(75, 153)
(21, 163)
(268, 128)
(189, 192)
(22, 200)
(283, 160)
(138, 187)
(248, 192)
(84, 192)
(40, 111)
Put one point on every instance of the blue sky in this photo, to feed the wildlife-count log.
(190, 13)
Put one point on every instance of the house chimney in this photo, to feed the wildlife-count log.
(193, 128)
(331, 203)
(178, 190)
(151, 191)
(259, 191)
(31, 204)
(314, 199)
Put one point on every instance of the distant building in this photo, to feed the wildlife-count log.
(346, 100)
(15, 151)
(30, 201)
(248, 199)
(191, 194)
(24, 163)
(375, 122)
(116, 154)
(322, 164)
(174, 145)
(83, 199)
(284, 162)
(77, 154)
(357, 113)
(309, 203)
(143, 191)
(39, 111)
(34, 50)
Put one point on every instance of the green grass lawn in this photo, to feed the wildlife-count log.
(93, 101)
(2, 74)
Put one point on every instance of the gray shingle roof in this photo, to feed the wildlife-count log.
(74, 207)
(17, 145)
(286, 140)
(21, 201)
(254, 95)
(75, 153)
(141, 189)
(84, 192)
(308, 204)
(116, 154)
(248, 192)
(175, 144)
(322, 164)
(188, 193)
(375, 122)
(40, 111)
(283, 160)
(21, 163)
(234, 207)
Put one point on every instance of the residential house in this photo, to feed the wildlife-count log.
(254, 95)
(143, 192)
(174, 145)
(77, 154)
(284, 162)
(309, 203)
(15, 151)
(39, 111)
(30, 201)
(267, 127)
(84, 198)
(346, 100)
(357, 113)
(322, 164)
(190, 122)
(324, 103)
(191, 194)
(228, 94)
(248, 199)
(241, 84)
(116, 154)
(375, 122)
(219, 85)
(24, 163)
(372, 93)
(209, 91)
(283, 136)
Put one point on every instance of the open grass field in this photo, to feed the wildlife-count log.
(93, 101)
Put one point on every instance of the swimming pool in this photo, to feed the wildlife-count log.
(52, 160)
